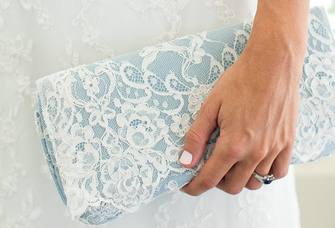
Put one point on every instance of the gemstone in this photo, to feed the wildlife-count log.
(268, 180)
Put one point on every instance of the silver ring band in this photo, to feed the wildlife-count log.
(267, 179)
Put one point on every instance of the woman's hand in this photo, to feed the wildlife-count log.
(255, 104)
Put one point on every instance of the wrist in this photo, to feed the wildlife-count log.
(281, 26)
(278, 46)
(273, 64)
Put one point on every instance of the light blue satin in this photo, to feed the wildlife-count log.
(130, 113)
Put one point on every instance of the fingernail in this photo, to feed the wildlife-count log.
(186, 158)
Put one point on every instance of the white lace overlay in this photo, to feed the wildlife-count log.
(39, 37)
(114, 129)
(315, 135)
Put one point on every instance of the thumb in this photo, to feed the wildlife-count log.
(197, 136)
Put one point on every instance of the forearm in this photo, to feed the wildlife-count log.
(279, 39)
(282, 22)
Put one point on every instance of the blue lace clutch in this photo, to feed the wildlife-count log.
(112, 131)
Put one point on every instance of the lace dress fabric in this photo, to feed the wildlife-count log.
(38, 38)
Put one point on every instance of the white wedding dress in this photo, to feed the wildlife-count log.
(38, 38)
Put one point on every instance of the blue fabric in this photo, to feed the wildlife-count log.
(112, 131)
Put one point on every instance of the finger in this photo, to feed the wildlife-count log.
(281, 164)
(277, 166)
(199, 133)
(263, 168)
(212, 171)
(237, 177)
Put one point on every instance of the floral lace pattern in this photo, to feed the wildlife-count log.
(315, 129)
(28, 197)
(200, 217)
(92, 35)
(14, 53)
(113, 130)
(224, 13)
(170, 9)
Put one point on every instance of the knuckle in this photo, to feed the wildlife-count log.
(192, 136)
(291, 141)
(234, 190)
(258, 155)
(191, 193)
(190, 190)
(235, 151)
(253, 186)
(206, 184)
(207, 111)
(280, 173)
(277, 148)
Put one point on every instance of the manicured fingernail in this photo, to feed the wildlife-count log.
(186, 158)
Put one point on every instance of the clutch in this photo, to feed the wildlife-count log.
(112, 131)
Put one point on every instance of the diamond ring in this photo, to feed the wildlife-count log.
(267, 179)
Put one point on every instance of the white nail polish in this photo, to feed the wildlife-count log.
(186, 158)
